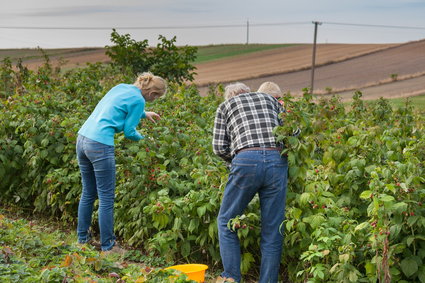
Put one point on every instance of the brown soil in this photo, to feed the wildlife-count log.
(277, 61)
(72, 59)
(340, 69)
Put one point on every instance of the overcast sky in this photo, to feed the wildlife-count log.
(290, 21)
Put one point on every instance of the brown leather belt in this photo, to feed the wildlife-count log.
(258, 148)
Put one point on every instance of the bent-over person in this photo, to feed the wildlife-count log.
(243, 136)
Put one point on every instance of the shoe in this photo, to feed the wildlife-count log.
(91, 242)
(94, 243)
(224, 279)
(116, 249)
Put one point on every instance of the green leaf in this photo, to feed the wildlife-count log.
(365, 194)
(296, 213)
(45, 142)
(352, 276)
(59, 148)
(201, 210)
(412, 220)
(399, 207)
(421, 274)
(289, 225)
(386, 198)
(370, 268)
(193, 225)
(177, 223)
(305, 198)
(409, 266)
(327, 157)
(185, 249)
(361, 226)
(410, 240)
(134, 149)
(247, 260)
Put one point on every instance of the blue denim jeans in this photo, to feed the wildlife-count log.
(263, 172)
(97, 167)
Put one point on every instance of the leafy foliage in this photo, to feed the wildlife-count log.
(166, 60)
(32, 252)
(356, 177)
(357, 184)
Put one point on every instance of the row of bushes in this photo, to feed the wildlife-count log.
(356, 186)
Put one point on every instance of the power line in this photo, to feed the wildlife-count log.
(150, 28)
(376, 26)
(204, 26)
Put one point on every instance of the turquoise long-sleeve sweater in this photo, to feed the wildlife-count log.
(120, 110)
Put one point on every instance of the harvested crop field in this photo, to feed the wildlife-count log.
(388, 70)
(376, 70)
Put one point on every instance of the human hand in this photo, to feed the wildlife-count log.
(152, 116)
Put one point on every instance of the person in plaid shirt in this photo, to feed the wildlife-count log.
(243, 136)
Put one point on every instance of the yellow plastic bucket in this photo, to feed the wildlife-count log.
(193, 271)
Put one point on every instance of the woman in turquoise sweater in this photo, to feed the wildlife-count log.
(120, 110)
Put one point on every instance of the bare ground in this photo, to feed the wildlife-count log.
(340, 68)
(277, 61)
(357, 67)
(72, 59)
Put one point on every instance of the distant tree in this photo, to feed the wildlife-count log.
(129, 53)
(166, 59)
(172, 62)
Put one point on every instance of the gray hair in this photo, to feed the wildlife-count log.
(270, 88)
(235, 89)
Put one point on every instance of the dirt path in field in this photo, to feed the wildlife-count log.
(279, 60)
(369, 70)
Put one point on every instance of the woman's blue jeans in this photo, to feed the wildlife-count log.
(97, 167)
(263, 172)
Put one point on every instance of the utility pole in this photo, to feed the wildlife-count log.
(247, 32)
(314, 56)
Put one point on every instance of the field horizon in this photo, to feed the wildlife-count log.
(387, 70)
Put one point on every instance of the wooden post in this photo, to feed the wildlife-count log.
(247, 32)
(314, 56)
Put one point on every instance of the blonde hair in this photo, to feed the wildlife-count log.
(270, 88)
(235, 89)
(150, 83)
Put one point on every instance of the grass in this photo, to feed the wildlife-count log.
(205, 53)
(417, 101)
(37, 249)
(214, 52)
(35, 53)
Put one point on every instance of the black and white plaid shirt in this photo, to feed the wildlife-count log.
(246, 120)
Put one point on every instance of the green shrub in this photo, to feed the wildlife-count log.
(356, 178)
(166, 60)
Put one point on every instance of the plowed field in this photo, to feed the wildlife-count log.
(339, 69)
(388, 70)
